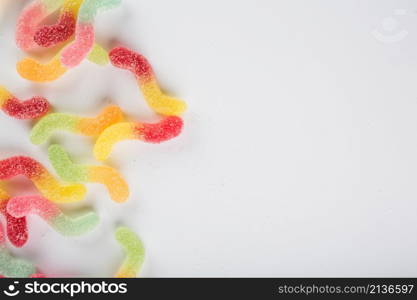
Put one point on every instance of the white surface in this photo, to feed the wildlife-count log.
(299, 153)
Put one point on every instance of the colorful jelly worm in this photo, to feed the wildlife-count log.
(134, 250)
(11, 266)
(167, 129)
(30, 18)
(77, 51)
(51, 35)
(33, 70)
(125, 58)
(33, 108)
(43, 180)
(80, 125)
(16, 228)
(70, 172)
(23, 206)
(72, 54)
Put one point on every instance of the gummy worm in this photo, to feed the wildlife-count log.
(84, 126)
(168, 128)
(16, 228)
(135, 253)
(32, 15)
(23, 206)
(98, 55)
(43, 180)
(125, 58)
(51, 35)
(68, 171)
(75, 52)
(33, 70)
(30, 109)
(11, 266)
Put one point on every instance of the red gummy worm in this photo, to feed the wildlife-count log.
(33, 108)
(51, 35)
(160, 132)
(16, 228)
(136, 63)
(20, 165)
(124, 58)
(44, 181)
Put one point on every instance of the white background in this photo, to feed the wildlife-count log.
(299, 155)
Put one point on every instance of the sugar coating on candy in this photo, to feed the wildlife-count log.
(33, 70)
(112, 135)
(75, 53)
(43, 180)
(76, 226)
(125, 58)
(79, 49)
(51, 123)
(112, 179)
(80, 125)
(98, 55)
(33, 108)
(51, 35)
(68, 171)
(90, 8)
(36, 71)
(11, 266)
(48, 211)
(16, 228)
(72, 6)
(30, 109)
(30, 18)
(134, 250)
(17, 231)
(52, 5)
(94, 126)
(3, 194)
(14, 267)
(64, 167)
(167, 129)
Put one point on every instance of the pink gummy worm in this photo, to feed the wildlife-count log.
(22, 206)
(27, 25)
(75, 52)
